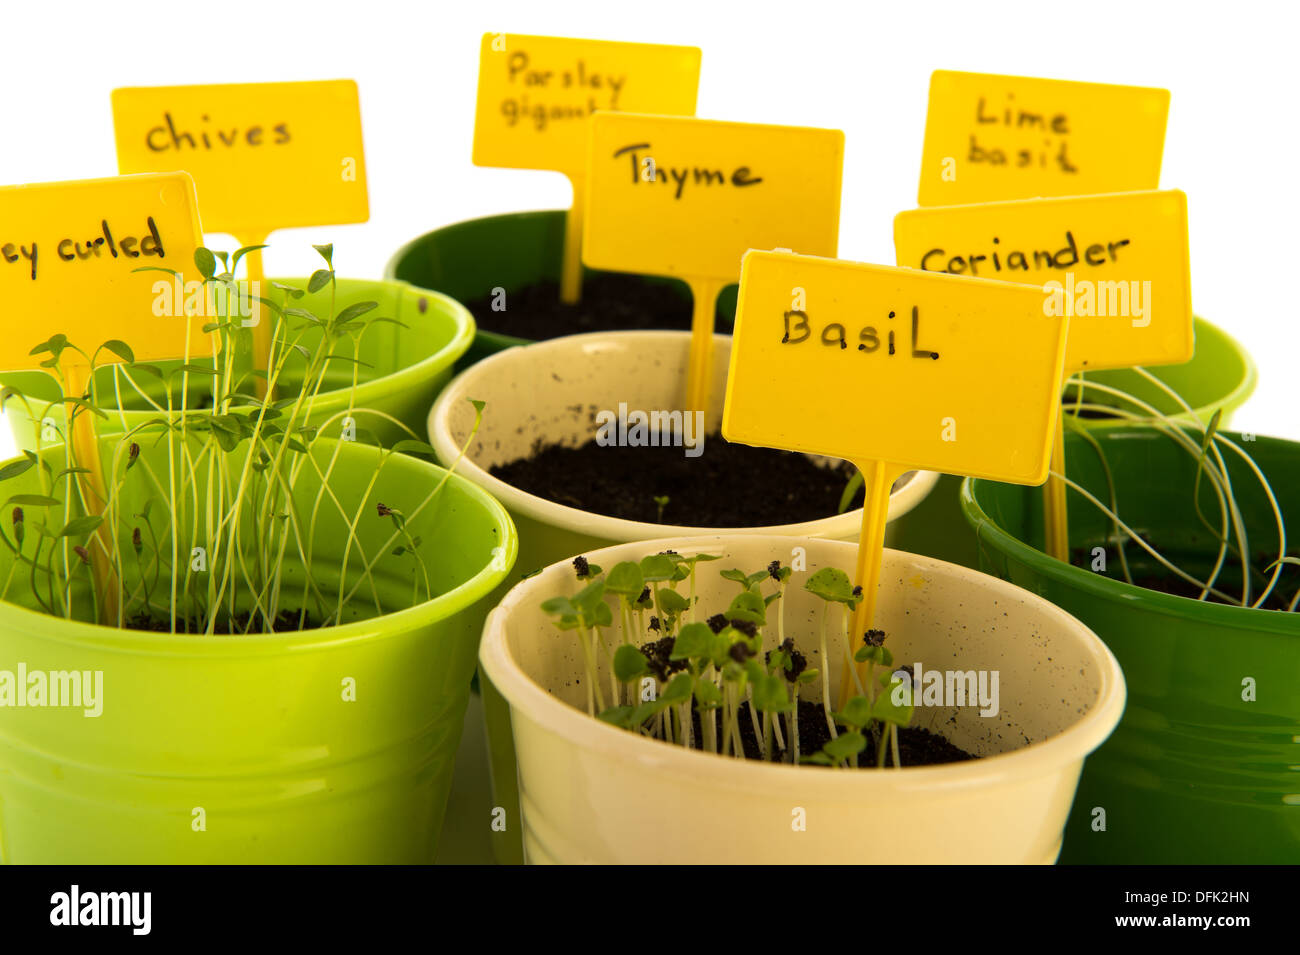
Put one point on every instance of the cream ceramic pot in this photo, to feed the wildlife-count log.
(550, 392)
(592, 793)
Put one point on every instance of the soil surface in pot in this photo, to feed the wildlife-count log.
(611, 301)
(728, 485)
(286, 621)
(916, 746)
(1228, 581)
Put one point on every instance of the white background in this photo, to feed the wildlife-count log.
(862, 67)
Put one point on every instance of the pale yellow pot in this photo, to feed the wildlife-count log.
(549, 392)
(592, 793)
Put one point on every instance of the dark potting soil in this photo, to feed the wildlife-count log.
(916, 746)
(1229, 581)
(611, 301)
(286, 621)
(728, 485)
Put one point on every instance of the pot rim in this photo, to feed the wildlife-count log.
(103, 638)
(406, 377)
(990, 533)
(616, 528)
(1228, 403)
(1035, 760)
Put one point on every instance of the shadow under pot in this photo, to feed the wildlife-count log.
(1202, 769)
(545, 402)
(599, 793)
(506, 271)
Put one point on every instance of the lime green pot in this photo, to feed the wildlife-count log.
(405, 368)
(323, 746)
(1221, 375)
(469, 259)
(1195, 773)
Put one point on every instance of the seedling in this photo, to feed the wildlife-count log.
(1207, 447)
(708, 674)
(241, 495)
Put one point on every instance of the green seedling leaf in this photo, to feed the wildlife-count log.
(671, 602)
(80, 526)
(559, 606)
(205, 262)
(646, 710)
(15, 468)
(695, 641)
(707, 694)
(241, 252)
(808, 676)
(850, 490)
(625, 579)
(121, 349)
(890, 710)
(354, 311)
(656, 567)
(326, 253)
(856, 713)
(629, 663)
(319, 279)
(770, 695)
(679, 689)
(148, 369)
(749, 607)
(739, 576)
(289, 290)
(817, 759)
(845, 746)
(604, 616)
(411, 446)
(33, 500)
(832, 585)
(588, 597)
(620, 716)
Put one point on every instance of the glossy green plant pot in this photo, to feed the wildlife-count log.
(1221, 375)
(1194, 773)
(248, 749)
(469, 259)
(405, 368)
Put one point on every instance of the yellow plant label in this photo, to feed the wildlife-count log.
(881, 364)
(535, 94)
(990, 137)
(688, 197)
(1116, 265)
(67, 255)
(264, 156)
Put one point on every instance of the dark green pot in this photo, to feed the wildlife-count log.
(469, 259)
(1220, 375)
(1194, 773)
